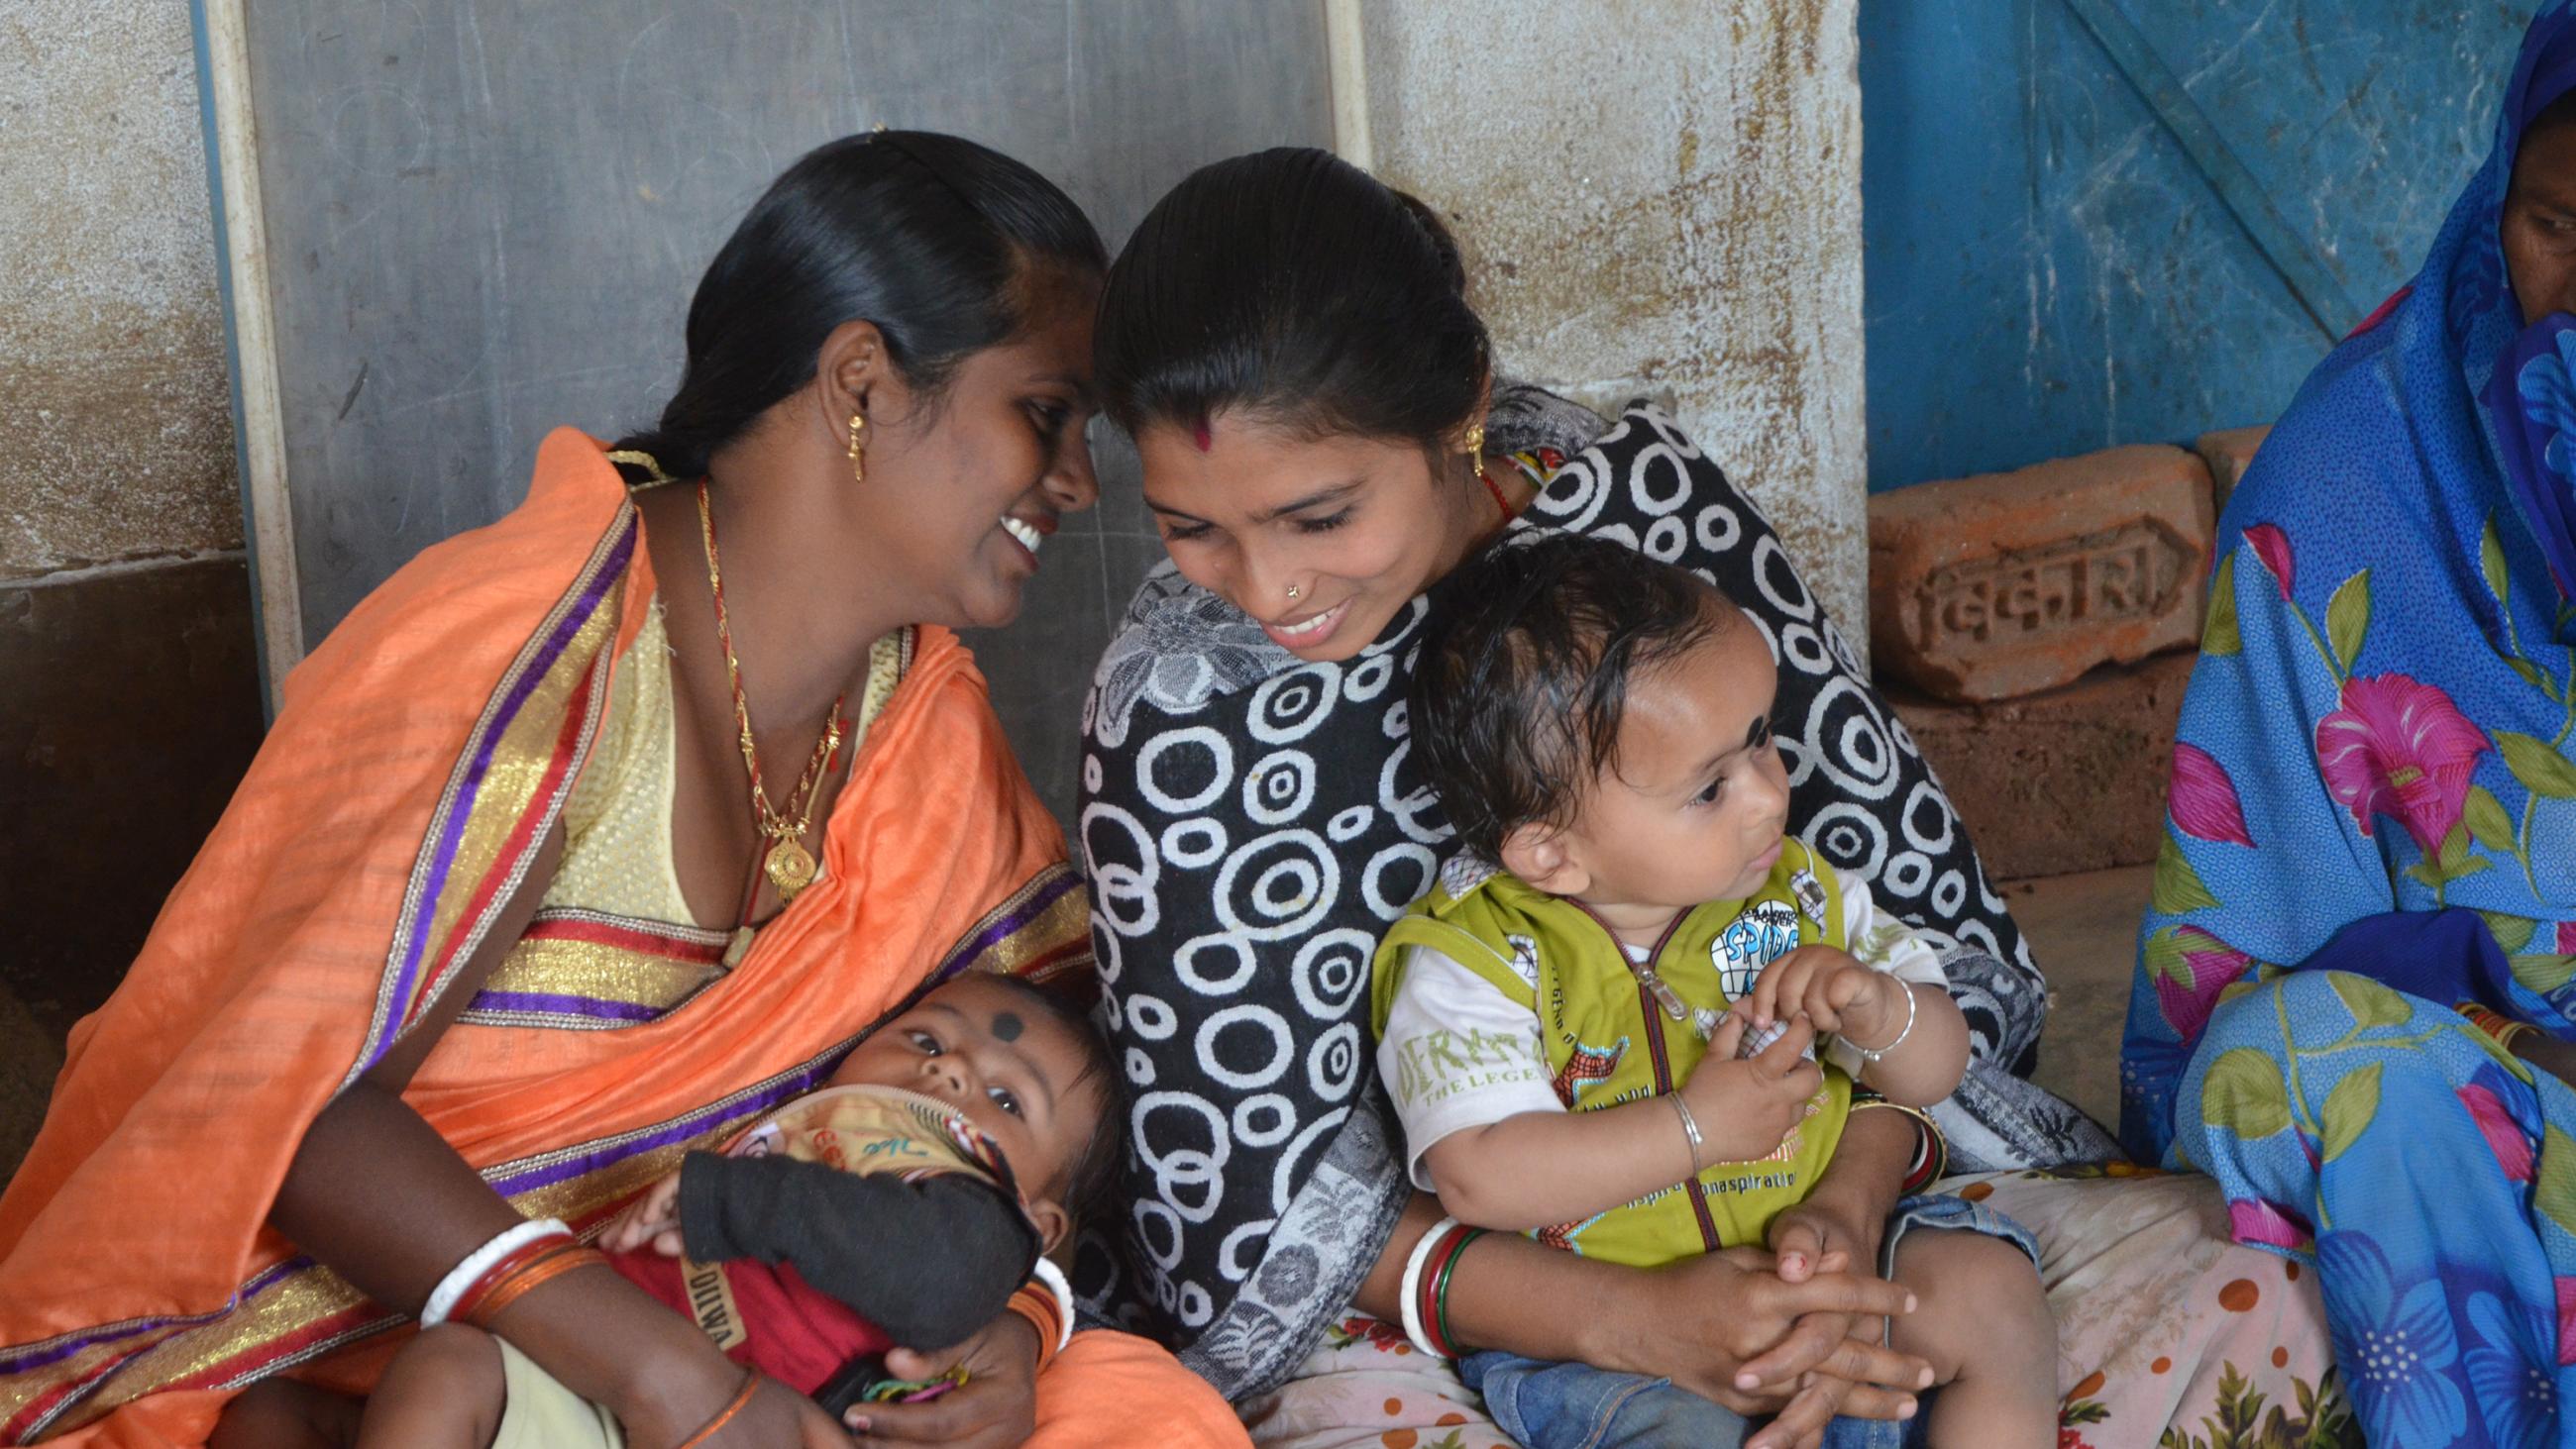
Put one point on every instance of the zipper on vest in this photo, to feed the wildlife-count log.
(1651, 985)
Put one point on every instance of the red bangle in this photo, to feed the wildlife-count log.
(741, 1399)
(2499, 1028)
(1439, 1319)
(528, 1280)
(1038, 1306)
(503, 1269)
(1426, 1292)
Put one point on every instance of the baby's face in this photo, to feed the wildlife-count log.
(1697, 801)
(1012, 1069)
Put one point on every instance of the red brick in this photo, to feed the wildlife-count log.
(2228, 454)
(2010, 583)
(2066, 781)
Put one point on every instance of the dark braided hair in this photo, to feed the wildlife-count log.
(938, 241)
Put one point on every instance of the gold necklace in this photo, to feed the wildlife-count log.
(789, 865)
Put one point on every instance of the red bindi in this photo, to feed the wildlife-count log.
(1199, 435)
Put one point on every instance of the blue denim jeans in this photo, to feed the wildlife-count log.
(1544, 1405)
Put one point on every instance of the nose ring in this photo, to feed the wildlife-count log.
(1292, 593)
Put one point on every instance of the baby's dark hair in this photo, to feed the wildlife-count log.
(1523, 674)
(1093, 1177)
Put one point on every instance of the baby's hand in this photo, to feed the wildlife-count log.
(653, 1218)
(1745, 1106)
(1831, 989)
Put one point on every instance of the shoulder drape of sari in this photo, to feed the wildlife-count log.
(424, 752)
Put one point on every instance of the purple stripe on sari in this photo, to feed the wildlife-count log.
(1001, 929)
(594, 589)
(55, 1350)
(557, 1004)
(565, 1169)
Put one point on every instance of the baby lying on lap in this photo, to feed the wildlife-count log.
(904, 1203)
(1600, 1028)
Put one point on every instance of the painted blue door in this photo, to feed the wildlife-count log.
(2092, 222)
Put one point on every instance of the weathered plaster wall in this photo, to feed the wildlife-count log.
(1659, 197)
(129, 695)
(112, 390)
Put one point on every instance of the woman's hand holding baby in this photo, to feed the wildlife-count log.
(1788, 1343)
(995, 1408)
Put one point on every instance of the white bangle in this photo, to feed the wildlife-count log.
(1053, 1277)
(442, 1299)
(1422, 1251)
(1869, 1055)
(1690, 1129)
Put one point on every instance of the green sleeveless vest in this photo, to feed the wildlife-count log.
(1614, 1034)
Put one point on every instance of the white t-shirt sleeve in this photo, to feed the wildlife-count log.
(1883, 943)
(1457, 1053)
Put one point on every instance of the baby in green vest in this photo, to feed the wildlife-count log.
(1602, 1026)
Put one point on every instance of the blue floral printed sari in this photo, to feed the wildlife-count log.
(2373, 819)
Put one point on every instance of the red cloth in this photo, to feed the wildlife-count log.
(796, 1333)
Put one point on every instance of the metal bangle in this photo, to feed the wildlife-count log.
(470, 1270)
(1690, 1129)
(1910, 1008)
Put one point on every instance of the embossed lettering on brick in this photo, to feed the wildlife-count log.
(2009, 583)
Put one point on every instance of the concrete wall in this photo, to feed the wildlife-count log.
(128, 690)
(1659, 197)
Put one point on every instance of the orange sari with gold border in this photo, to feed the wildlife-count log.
(424, 751)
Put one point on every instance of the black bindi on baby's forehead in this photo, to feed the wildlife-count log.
(1007, 1026)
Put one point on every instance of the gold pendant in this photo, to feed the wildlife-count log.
(791, 868)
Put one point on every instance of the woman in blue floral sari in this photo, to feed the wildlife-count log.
(2354, 1004)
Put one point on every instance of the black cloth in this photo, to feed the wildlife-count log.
(929, 1261)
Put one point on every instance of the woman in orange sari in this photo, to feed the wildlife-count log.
(591, 835)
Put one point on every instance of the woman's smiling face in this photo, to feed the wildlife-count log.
(964, 488)
(1355, 527)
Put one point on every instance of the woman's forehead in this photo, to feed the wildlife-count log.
(1056, 346)
(1246, 467)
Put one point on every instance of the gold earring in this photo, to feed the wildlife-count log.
(858, 451)
(1475, 447)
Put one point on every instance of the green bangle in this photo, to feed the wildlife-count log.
(1440, 1289)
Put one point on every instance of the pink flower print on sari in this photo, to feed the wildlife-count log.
(2214, 966)
(2269, 1225)
(2504, 1135)
(2566, 938)
(2399, 747)
(2273, 547)
(2204, 800)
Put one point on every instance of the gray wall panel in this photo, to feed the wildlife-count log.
(486, 217)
